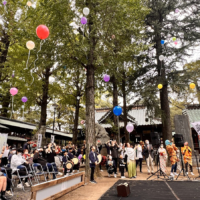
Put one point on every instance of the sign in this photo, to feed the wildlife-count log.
(39, 142)
(52, 138)
(3, 140)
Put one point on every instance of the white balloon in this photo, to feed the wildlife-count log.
(86, 11)
(29, 4)
(161, 57)
(30, 45)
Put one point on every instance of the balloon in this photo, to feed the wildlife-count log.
(162, 42)
(79, 157)
(161, 57)
(30, 45)
(174, 39)
(29, 4)
(13, 75)
(113, 37)
(84, 156)
(86, 11)
(83, 20)
(13, 91)
(129, 127)
(177, 10)
(82, 122)
(175, 43)
(106, 78)
(24, 99)
(42, 32)
(160, 86)
(4, 3)
(192, 85)
(117, 110)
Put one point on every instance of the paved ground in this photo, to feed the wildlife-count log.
(92, 191)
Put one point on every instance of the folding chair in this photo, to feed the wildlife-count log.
(51, 166)
(24, 176)
(33, 173)
(35, 166)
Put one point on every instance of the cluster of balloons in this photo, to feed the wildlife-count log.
(173, 39)
(14, 91)
(86, 11)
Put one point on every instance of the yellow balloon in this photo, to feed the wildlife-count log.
(29, 4)
(160, 86)
(192, 85)
(84, 156)
(30, 45)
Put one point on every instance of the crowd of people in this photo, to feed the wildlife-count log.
(128, 157)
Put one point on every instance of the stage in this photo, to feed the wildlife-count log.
(156, 190)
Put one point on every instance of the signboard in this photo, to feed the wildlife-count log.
(196, 126)
(39, 142)
(3, 140)
(52, 138)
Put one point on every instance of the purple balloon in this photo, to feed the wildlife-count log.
(106, 78)
(24, 99)
(177, 10)
(13, 75)
(4, 3)
(83, 20)
(129, 127)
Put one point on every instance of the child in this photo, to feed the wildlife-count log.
(111, 167)
(121, 166)
(65, 160)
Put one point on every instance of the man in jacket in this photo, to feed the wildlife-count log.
(114, 152)
(93, 162)
(148, 153)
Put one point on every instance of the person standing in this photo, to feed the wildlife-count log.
(93, 162)
(148, 153)
(163, 158)
(139, 156)
(171, 149)
(121, 166)
(114, 152)
(187, 157)
(131, 153)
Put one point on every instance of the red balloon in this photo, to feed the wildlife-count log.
(42, 32)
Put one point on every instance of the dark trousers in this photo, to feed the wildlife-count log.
(115, 159)
(4, 161)
(76, 167)
(114, 169)
(8, 184)
(140, 163)
(186, 167)
(100, 166)
(174, 167)
(92, 174)
(122, 170)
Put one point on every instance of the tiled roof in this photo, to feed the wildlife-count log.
(193, 115)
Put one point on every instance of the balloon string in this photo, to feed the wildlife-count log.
(12, 107)
(38, 52)
(28, 59)
(32, 77)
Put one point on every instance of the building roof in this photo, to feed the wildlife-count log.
(193, 115)
(16, 123)
(139, 116)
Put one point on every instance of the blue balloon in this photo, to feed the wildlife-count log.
(162, 42)
(117, 110)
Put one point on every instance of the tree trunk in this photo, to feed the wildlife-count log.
(74, 140)
(127, 138)
(5, 104)
(44, 102)
(90, 100)
(115, 103)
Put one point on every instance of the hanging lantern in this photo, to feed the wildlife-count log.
(160, 86)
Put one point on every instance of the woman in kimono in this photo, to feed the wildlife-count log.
(163, 158)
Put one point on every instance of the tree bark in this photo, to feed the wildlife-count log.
(43, 104)
(74, 140)
(115, 103)
(125, 107)
(5, 104)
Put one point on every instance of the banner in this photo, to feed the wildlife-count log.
(3, 140)
(39, 142)
(196, 126)
(52, 138)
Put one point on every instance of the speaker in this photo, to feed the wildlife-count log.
(178, 140)
(155, 139)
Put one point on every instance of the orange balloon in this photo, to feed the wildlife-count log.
(192, 85)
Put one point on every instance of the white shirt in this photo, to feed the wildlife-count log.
(131, 154)
(16, 160)
(139, 152)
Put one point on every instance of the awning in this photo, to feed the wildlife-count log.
(1, 126)
(17, 138)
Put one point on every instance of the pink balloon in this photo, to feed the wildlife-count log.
(13, 91)
(82, 122)
(129, 127)
(175, 43)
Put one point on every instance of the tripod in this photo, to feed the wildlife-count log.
(159, 172)
(197, 164)
(182, 170)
